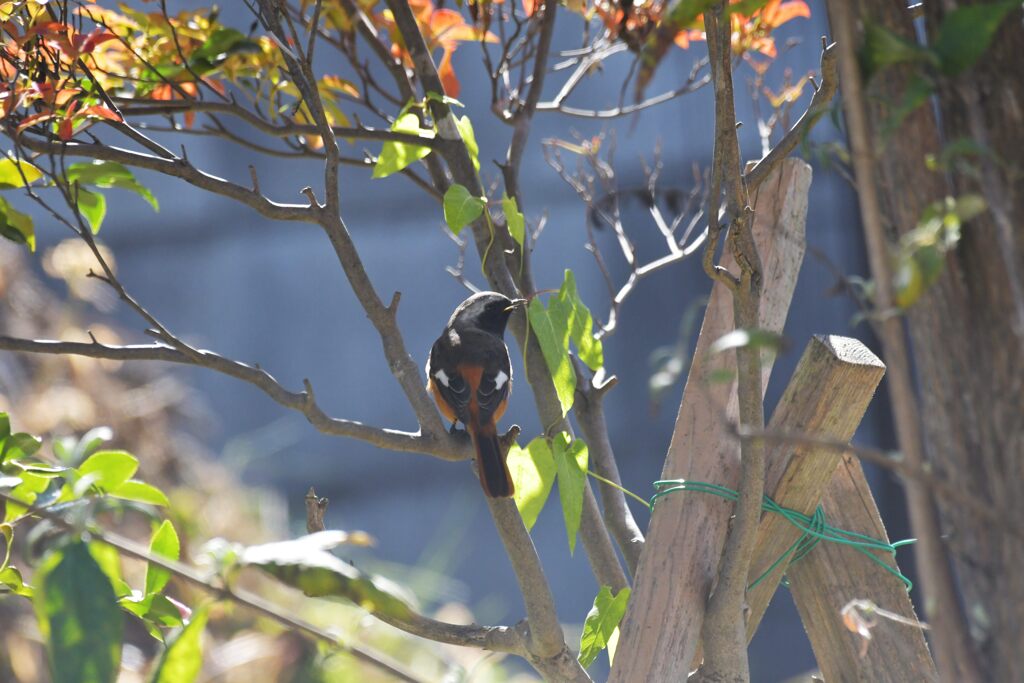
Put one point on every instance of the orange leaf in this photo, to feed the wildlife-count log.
(103, 113)
(530, 7)
(777, 13)
(447, 74)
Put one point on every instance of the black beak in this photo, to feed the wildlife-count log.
(516, 303)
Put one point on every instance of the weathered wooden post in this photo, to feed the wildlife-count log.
(661, 630)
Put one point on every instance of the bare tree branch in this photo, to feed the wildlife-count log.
(724, 630)
(589, 407)
(442, 445)
(819, 104)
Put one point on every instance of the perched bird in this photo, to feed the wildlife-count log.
(469, 375)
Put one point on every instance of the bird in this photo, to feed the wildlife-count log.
(470, 377)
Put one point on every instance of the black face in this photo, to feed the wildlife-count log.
(488, 311)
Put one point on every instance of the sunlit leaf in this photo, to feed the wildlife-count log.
(306, 565)
(17, 226)
(93, 206)
(571, 460)
(111, 468)
(461, 208)
(556, 356)
(17, 173)
(394, 156)
(140, 492)
(164, 543)
(581, 325)
(78, 617)
(602, 623)
(19, 445)
(514, 219)
(465, 127)
(533, 473)
(183, 658)
(108, 174)
(10, 578)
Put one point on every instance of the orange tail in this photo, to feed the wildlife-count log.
(490, 465)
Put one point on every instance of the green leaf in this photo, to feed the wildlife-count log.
(183, 659)
(533, 473)
(20, 445)
(756, 338)
(394, 156)
(461, 208)
(5, 426)
(220, 45)
(10, 577)
(602, 623)
(465, 127)
(78, 617)
(93, 206)
(112, 468)
(141, 492)
(16, 226)
(164, 543)
(109, 560)
(746, 7)
(556, 356)
(17, 173)
(884, 48)
(513, 219)
(304, 563)
(967, 32)
(7, 531)
(571, 460)
(108, 174)
(581, 324)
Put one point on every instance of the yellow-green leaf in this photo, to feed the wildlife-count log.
(602, 624)
(17, 173)
(394, 156)
(461, 208)
(111, 468)
(514, 219)
(533, 473)
(164, 543)
(183, 658)
(571, 460)
(17, 226)
(556, 355)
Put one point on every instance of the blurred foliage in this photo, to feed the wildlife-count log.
(138, 620)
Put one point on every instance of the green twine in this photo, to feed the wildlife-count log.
(814, 528)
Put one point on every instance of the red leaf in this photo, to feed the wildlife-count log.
(96, 38)
(103, 113)
(66, 129)
(34, 119)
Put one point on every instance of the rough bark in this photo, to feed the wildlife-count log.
(968, 351)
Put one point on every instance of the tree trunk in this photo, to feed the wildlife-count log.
(967, 331)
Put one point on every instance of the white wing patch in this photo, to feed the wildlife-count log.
(442, 377)
(500, 379)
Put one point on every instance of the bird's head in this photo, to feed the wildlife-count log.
(488, 311)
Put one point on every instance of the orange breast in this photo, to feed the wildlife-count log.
(441, 403)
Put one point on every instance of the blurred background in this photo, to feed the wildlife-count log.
(226, 279)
